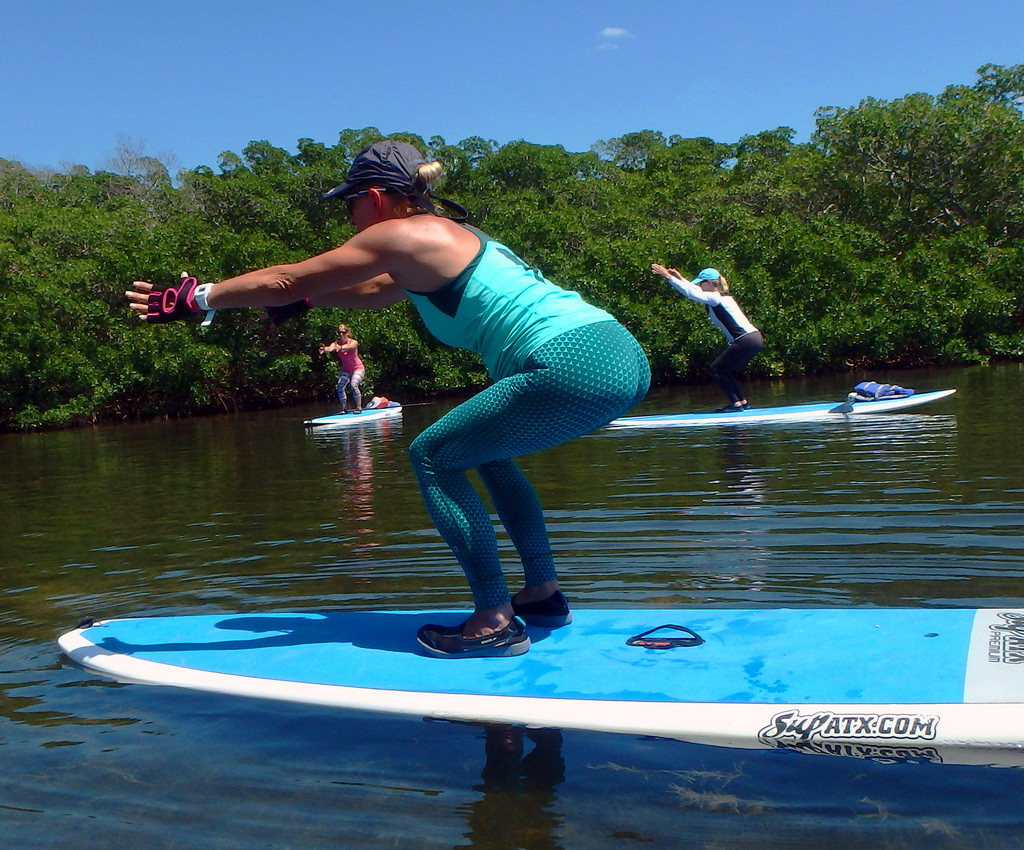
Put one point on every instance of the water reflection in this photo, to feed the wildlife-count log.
(354, 451)
(355, 479)
(900, 429)
(517, 794)
(745, 479)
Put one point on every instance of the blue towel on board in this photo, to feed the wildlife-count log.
(873, 389)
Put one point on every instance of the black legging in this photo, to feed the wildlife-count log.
(736, 355)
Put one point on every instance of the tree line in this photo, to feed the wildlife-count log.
(893, 237)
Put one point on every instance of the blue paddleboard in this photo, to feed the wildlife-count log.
(811, 411)
(349, 420)
(920, 684)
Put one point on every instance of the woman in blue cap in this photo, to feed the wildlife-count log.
(546, 349)
(712, 290)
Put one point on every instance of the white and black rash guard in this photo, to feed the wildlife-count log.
(723, 309)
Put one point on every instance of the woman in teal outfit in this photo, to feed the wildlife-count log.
(561, 368)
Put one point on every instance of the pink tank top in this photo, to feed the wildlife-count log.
(350, 360)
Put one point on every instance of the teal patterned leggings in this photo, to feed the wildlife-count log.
(578, 381)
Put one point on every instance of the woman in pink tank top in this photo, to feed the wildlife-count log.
(352, 369)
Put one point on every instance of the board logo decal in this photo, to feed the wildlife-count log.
(831, 733)
(1006, 639)
(788, 728)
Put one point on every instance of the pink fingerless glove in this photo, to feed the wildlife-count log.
(168, 303)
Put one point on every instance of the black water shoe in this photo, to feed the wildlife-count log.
(549, 613)
(448, 642)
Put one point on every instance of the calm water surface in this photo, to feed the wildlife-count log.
(251, 513)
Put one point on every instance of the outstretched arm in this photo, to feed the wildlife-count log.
(360, 260)
(374, 294)
(668, 274)
(422, 252)
(684, 287)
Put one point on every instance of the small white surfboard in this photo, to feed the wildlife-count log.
(820, 410)
(349, 420)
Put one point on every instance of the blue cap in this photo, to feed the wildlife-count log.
(707, 274)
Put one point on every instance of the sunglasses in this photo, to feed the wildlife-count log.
(348, 199)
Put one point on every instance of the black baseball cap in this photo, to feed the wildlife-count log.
(393, 165)
(388, 164)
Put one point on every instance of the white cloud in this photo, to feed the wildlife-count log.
(612, 37)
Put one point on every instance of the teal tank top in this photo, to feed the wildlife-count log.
(502, 309)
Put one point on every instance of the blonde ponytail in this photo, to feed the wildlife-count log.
(426, 174)
(429, 172)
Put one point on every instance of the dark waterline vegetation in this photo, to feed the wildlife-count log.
(894, 236)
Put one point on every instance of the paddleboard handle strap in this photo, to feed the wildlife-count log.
(648, 639)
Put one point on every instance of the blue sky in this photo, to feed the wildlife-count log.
(185, 80)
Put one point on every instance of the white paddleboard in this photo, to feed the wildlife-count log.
(349, 420)
(811, 411)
